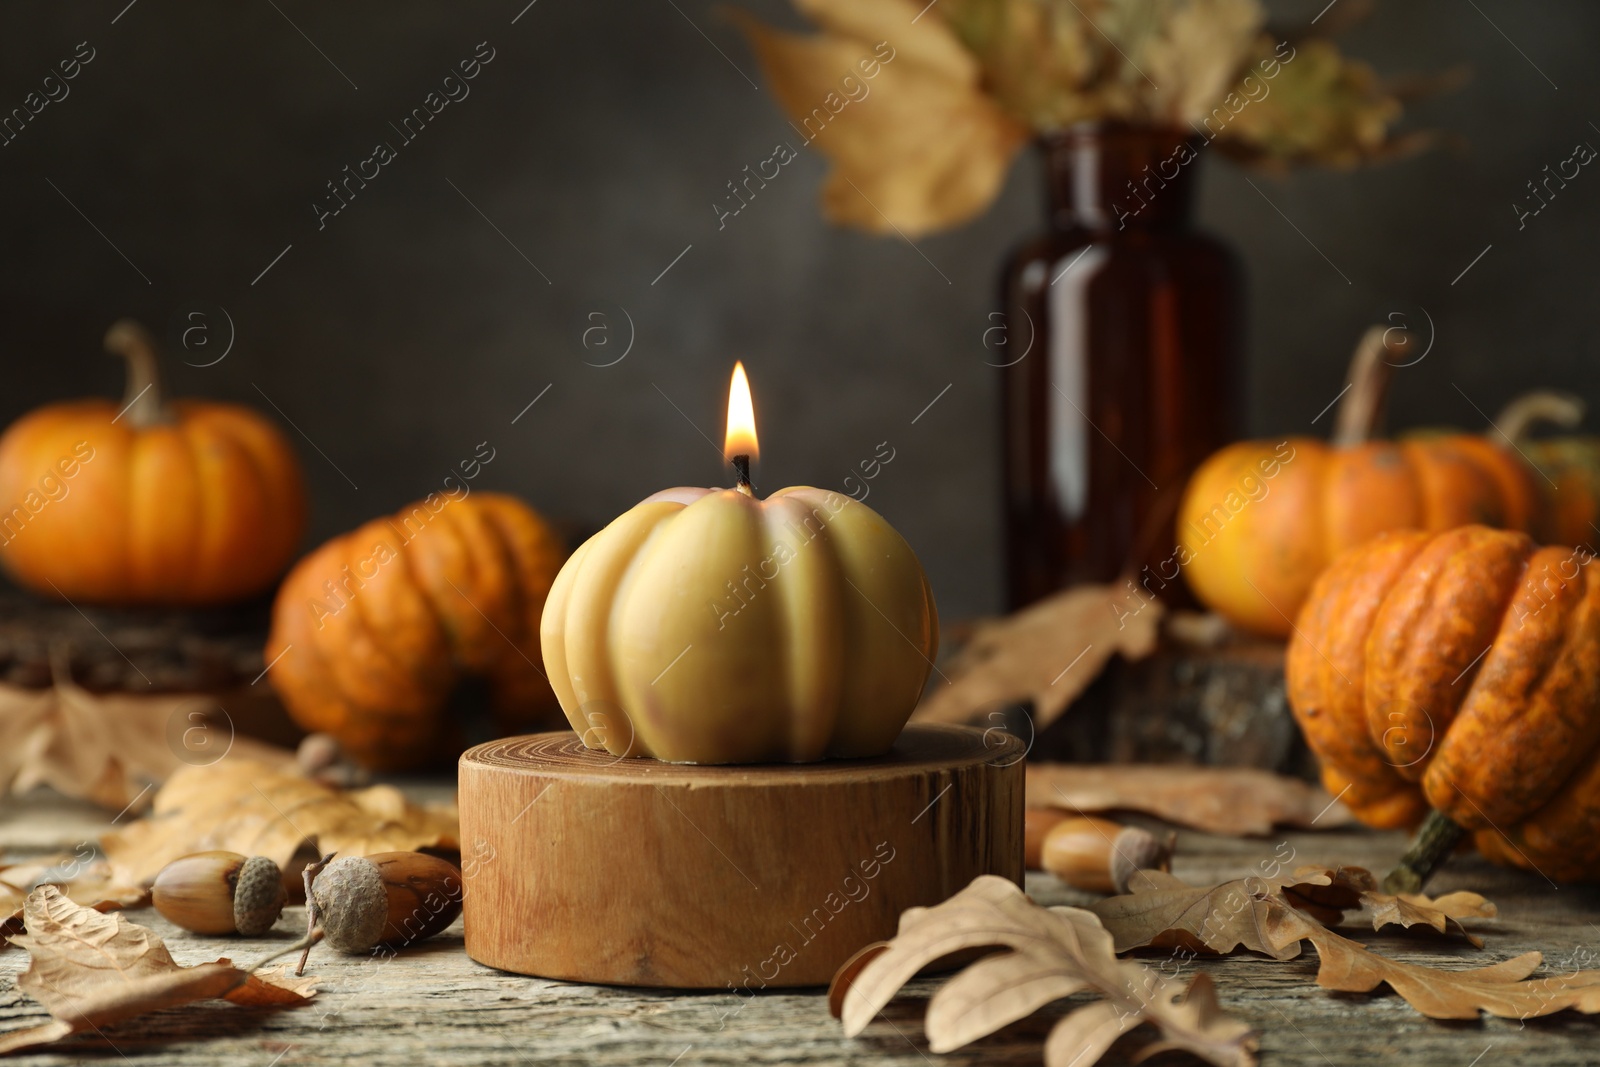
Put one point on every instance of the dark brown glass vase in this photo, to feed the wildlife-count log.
(1129, 319)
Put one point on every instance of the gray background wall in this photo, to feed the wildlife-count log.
(409, 329)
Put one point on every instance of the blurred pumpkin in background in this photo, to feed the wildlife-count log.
(373, 631)
(1568, 468)
(147, 501)
(1261, 519)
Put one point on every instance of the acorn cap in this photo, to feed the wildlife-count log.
(1136, 849)
(352, 906)
(259, 897)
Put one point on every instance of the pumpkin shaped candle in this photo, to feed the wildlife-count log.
(714, 626)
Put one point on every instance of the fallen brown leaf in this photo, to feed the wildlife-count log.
(1053, 953)
(1443, 914)
(1238, 801)
(1047, 653)
(917, 145)
(90, 970)
(1273, 916)
(1326, 894)
(1163, 911)
(107, 748)
(83, 881)
(1502, 989)
(256, 810)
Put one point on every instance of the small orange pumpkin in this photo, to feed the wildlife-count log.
(1260, 520)
(147, 502)
(1457, 676)
(372, 631)
(1568, 467)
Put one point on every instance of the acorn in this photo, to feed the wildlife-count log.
(220, 893)
(1036, 823)
(351, 904)
(423, 893)
(1102, 856)
(390, 898)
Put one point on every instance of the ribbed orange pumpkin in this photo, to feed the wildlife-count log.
(147, 502)
(1460, 672)
(1261, 519)
(1568, 467)
(372, 631)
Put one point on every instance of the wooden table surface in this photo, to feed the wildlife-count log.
(433, 1005)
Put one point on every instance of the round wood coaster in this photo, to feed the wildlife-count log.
(582, 866)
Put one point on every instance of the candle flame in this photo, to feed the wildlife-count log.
(741, 436)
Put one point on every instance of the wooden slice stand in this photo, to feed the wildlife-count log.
(585, 867)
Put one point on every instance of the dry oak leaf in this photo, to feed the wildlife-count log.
(91, 970)
(256, 810)
(1047, 653)
(1053, 953)
(1237, 801)
(106, 748)
(1270, 916)
(1326, 894)
(1502, 989)
(1163, 911)
(89, 884)
(916, 145)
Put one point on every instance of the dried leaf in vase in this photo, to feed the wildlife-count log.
(1053, 64)
(1047, 653)
(1040, 61)
(256, 810)
(1194, 59)
(107, 748)
(91, 970)
(1052, 953)
(1237, 801)
(1322, 107)
(916, 144)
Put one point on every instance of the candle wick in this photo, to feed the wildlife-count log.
(741, 470)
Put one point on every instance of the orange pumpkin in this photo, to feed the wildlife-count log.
(1260, 520)
(145, 501)
(372, 631)
(1567, 468)
(1457, 676)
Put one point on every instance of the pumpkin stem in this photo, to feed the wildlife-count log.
(1562, 409)
(1435, 840)
(141, 402)
(1362, 406)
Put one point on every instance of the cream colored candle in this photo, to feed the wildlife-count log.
(715, 626)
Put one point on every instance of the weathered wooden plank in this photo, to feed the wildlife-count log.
(434, 1005)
